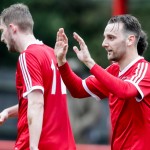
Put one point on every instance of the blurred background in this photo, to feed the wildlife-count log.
(89, 118)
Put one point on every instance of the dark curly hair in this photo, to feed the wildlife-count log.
(142, 43)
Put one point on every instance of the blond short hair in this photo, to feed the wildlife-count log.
(18, 14)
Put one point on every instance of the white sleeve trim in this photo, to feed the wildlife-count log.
(88, 91)
(139, 90)
(33, 88)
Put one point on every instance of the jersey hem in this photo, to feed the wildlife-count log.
(33, 88)
(88, 90)
(139, 90)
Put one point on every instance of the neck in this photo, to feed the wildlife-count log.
(127, 60)
(24, 41)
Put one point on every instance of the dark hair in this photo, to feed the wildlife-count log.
(131, 24)
(142, 43)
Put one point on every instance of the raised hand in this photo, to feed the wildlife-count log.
(83, 54)
(61, 46)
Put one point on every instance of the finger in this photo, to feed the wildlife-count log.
(65, 39)
(76, 50)
(65, 47)
(61, 31)
(79, 39)
(59, 44)
(57, 36)
(60, 35)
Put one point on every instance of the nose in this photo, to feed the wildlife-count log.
(104, 43)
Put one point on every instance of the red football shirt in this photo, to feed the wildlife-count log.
(37, 69)
(129, 100)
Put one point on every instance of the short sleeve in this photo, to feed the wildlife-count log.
(31, 72)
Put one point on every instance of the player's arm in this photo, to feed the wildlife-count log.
(8, 113)
(35, 117)
(114, 85)
(72, 82)
(82, 88)
(75, 84)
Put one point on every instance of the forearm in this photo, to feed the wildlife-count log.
(12, 111)
(72, 82)
(115, 85)
(7, 113)
(35, 115)
(35, 119)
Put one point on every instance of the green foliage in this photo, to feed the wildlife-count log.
(86, 17)
(142, 13)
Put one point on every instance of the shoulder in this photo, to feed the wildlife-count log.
(37, 54)
(34, 48)
(37, 51)
(143, 67)
(142, 63)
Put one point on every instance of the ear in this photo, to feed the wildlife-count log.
(131, 40)
(13, 28)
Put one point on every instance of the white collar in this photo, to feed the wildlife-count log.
(130, 65)
(35, 42)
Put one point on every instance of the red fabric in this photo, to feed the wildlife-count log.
(124, 89)
(72, 82)
(119, 7)
(129, 99)
(37, 69)
(130, 111)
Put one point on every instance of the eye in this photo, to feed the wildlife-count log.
(110, 37)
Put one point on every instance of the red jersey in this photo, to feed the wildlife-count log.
(37, 69)
(129, 100)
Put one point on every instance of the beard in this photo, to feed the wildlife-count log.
(11, 45)
(116, 57)
(112, 56)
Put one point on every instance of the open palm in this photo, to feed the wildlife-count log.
(61, 46)
(82, 54)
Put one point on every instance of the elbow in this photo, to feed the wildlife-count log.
(78, 92)
(127, 91)
(127, 94)
(74, 95)
(34, 110)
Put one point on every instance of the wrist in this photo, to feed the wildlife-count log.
(61, 62)
(90, 63)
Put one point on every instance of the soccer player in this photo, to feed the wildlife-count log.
(43, 122)
(126, 82)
